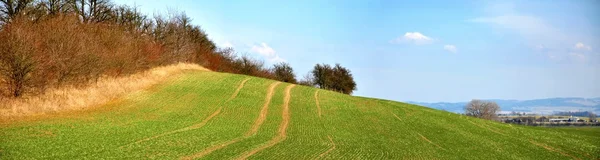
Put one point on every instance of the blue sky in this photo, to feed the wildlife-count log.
(426, 51)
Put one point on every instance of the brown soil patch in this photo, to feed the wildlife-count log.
(282, 127)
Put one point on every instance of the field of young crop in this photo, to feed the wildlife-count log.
(210, 115)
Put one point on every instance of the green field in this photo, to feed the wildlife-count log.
(212, 115)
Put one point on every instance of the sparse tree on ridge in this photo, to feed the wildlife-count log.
(322, 74)
(342, 79)
(482, 109)
(307, 80)
(335, 78)
(284, 72)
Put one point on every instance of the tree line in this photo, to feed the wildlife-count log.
(54, 43)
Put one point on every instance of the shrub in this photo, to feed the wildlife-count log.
(284, 72)
(336, 78)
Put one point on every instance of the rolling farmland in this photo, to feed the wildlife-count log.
(210, 115)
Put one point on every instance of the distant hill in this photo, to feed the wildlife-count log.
(542, 106)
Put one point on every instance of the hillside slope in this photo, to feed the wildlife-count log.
(212, 115)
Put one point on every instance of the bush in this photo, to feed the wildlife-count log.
(51, 43)
(483, 109)
(336, 78)
(284, 72)
(17, 64)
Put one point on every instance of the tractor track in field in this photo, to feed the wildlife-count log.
(552, 149)
(195, 126)
(264, 111)
(319, 113)
(420, 135)
(531, 141)
(487, 128)
(317, 101)
(425, 138)
(237, 90)
(330, 149)
(282, 127)
(396, 116)
(259, 120)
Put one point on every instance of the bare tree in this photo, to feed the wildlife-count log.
(592, 116)
(16, 64)
(9, 9)
(307, 80)
(54, 7)
(322, 76)
(335, 78)
(284, 72)
(93, 10)
(482, 109)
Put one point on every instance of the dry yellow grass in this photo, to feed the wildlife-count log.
(100, 92)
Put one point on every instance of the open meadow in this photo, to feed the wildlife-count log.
(211, 115)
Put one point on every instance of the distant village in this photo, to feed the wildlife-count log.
(557, 119)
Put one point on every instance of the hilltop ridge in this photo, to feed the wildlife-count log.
(213, 115)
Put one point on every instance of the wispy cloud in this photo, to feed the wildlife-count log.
(540, 35)
(413, 37)
(582, 46)
(533, 28)
(267, 52)
(451, 48)
(580, 57)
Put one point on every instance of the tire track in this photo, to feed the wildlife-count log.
(396, 116)
(237, 91)
(264, 111)
(425, 138)
(282, 127)
(552, 149)
(259, 120)
(319, 112)
(330, 149)
(195, 126)
(487, 128)
(317, 101)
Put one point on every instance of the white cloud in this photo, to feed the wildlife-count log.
(450, 48)
(582, 46)
(413, 37)
(267, 52)
(227, 45)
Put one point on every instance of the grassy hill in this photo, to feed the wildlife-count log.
(210, 115)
